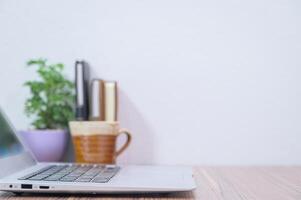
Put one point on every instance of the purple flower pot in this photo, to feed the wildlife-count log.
(46, 145)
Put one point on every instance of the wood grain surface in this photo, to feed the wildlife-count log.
(268, 183)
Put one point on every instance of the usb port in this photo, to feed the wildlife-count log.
(44, 187)
(26, 186)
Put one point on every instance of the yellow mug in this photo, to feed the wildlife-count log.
(95, 141)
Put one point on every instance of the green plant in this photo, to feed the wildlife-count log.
(52, 96)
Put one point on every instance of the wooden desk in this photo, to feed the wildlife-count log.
(268, 183)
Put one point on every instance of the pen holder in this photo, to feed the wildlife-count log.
(95, 141)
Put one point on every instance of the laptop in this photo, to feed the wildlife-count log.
(20, 172)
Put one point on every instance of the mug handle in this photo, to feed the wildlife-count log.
(127, 143)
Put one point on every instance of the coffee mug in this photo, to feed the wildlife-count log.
(95, 141)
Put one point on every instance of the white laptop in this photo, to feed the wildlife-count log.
(20, 172)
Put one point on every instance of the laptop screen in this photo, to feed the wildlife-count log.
(9, 143)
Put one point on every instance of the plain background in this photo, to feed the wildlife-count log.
(201, 82)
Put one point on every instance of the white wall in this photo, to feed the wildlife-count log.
(207, 82)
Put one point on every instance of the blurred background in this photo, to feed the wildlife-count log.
(200, 82)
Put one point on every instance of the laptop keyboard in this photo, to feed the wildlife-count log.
(74, 173)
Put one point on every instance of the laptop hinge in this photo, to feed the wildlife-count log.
(16, 163)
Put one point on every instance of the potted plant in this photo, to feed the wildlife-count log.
(50, 104)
